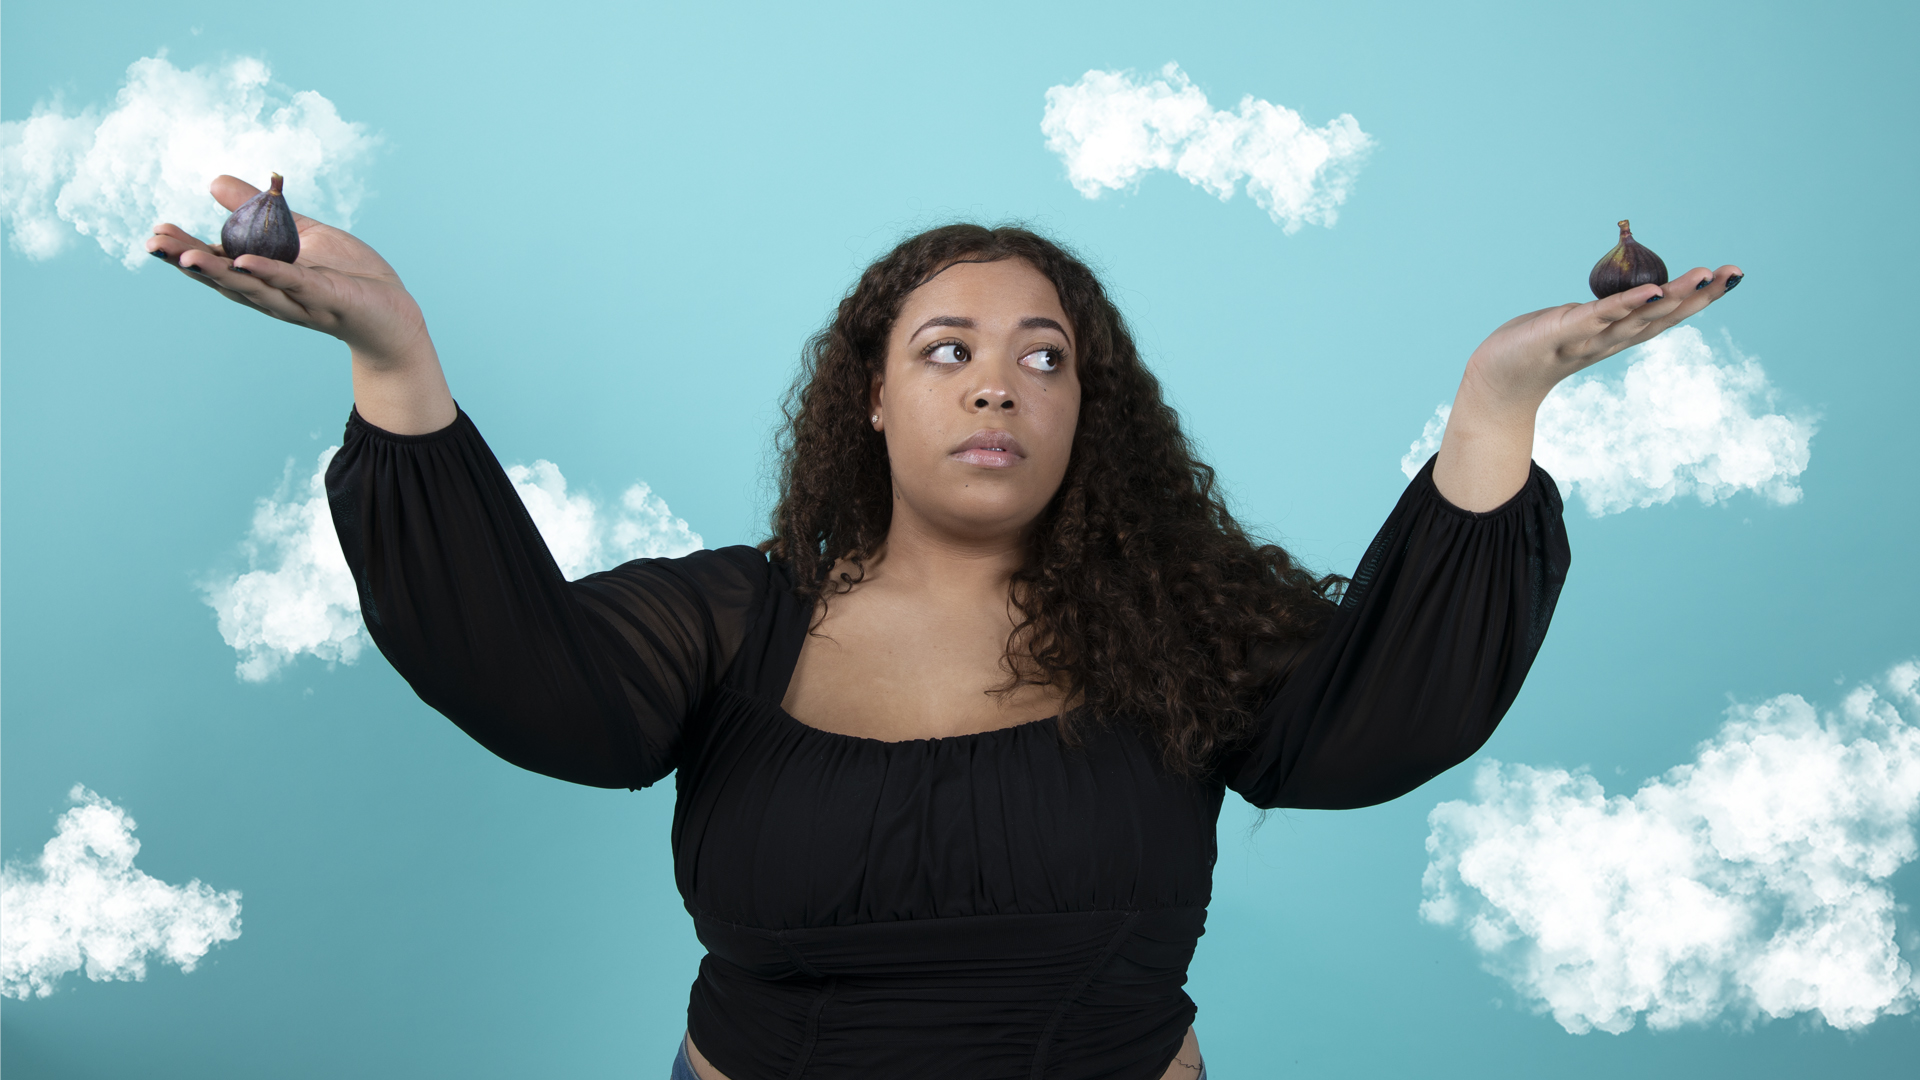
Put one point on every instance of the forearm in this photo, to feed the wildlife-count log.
(1428, 650)
(1487, 452)
(464, 600)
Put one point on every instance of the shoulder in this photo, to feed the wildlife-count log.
(741, 561)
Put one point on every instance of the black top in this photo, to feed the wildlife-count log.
(983, 906)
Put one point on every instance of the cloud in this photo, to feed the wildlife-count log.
(1680, 420)
(583, 539)
(81, 904)
(1111, 128)
(1750, 882)
(113, 175)
(298, 597)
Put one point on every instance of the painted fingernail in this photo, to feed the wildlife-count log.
(241, 270)
(158, 254)
(1654, 298)
(1731, 282)
(195, 270)
(1704, 282)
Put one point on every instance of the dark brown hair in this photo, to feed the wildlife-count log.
(1141, 593)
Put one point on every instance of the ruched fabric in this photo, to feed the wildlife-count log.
(1091, 993)
(997, 905)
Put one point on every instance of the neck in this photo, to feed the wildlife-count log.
(928, 560)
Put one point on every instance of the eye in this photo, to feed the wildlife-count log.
(1044, 358)
(948, 352)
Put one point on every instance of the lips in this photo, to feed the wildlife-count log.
(990, 449)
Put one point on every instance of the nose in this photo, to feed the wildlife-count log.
(992, 396)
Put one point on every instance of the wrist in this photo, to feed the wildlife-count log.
(386, 331)
(1487, 451)
(1489, 399)
(1502, 392)
(401, 388)
(396, 352)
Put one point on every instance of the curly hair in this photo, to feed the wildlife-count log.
(1140, 592)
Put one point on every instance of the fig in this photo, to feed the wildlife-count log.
(263, 226)
(1630, 263)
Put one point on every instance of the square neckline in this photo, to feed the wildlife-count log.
(785, 607)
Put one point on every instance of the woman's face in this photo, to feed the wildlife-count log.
(978, 400)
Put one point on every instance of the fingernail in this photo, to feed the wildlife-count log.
(1655, 297)
(1731, 282)
(195, 270)
(1704, 282)
(158, 254)
(242, 270)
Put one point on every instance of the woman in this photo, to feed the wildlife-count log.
(951, 745)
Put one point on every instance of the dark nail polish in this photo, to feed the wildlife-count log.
(1655, 298)
(238, 270)
(158, 254)
(1731, 282)
(1703, 284)
(195, 270)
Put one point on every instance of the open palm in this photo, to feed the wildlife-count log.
(1528, 354)
(338, 286)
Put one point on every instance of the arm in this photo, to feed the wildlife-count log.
(1452, 600)
(589, 681)
(1422, 658)
(1488, 447)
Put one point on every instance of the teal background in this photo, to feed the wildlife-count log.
(622, 221)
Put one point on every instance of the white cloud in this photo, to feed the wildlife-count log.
(113, 175)
(583, 539)
(1111, 128)
(1680, 420)
(1751, 882)
(82, 905)
(298, 597)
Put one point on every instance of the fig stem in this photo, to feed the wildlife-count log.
(278, 180)
(1625, 232)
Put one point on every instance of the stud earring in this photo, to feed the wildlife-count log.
(876, 419)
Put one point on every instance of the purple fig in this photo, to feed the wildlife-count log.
(1630, 263)
(262, 226)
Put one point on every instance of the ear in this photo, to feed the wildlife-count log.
(873, 393)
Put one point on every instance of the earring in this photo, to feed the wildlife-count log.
(876, 419)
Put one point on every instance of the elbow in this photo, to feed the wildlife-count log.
(1371, 779)
(1374, 788)
(551, 742)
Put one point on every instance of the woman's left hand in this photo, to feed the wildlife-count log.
(1488, 448)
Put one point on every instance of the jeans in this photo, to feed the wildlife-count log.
(683, 1069)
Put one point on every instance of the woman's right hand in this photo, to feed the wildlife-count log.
(339, 286)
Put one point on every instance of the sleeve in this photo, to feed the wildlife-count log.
(590, 681)
(1425, 653)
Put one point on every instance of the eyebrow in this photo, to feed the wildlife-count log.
(1031, 322)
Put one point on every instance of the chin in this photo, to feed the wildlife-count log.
(984, 518)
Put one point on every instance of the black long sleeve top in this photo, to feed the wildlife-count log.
(990, 905)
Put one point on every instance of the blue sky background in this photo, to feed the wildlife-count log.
(622, 222)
